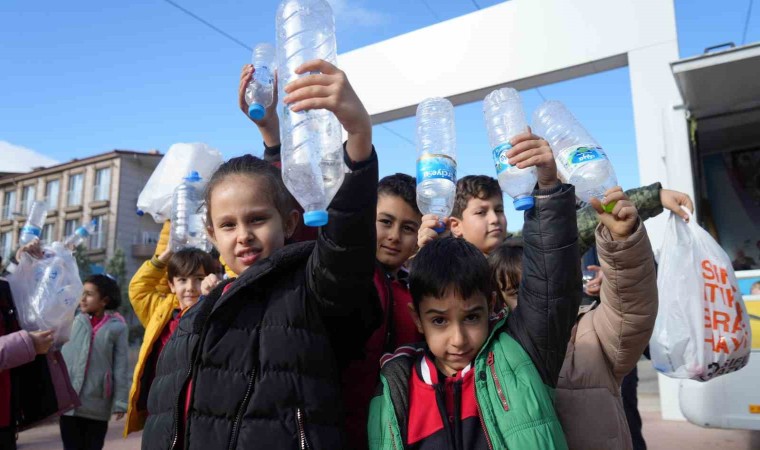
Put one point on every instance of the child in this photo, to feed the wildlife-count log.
(755, 289)
(477, 216)
(476, 386)
(256, 364)
(96, 357)
(34, 383)
(608, 338)
(159, 310)
(398, 220)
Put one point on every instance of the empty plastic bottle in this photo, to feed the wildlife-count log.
(312, 147)
(504, 116)
(186, 202)
(580, 159)
(80, 235)
(259, 93)
(199, 239)
(436, 157)
(32, 229)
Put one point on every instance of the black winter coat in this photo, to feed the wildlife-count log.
(265, 356)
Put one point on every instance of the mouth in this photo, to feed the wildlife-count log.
(459, 357)
(248, 256)
(392, 251)
(496, 232)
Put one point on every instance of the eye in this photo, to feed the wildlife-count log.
(227, 225)
(438, 321)
(385, 222)
(408, 229)
(182, 279)
(500, 210)
(479, 212)
(472, 318)
(257, 220)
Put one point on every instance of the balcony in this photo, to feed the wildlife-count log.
(144, 251)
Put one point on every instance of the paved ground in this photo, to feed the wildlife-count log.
(659, 434)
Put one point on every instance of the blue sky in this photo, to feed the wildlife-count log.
(81, 78)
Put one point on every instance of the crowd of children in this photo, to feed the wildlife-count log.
(377, 331)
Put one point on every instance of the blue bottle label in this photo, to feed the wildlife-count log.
(431, 167)
(500, 159)
(585, 154)
(29, 229)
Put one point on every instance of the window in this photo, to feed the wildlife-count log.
(48, 233)
(74, 196)
(9, 204)
(52, 189)
(98, 238)
(70, 226)
(5, 246)
(28, 193)
(102, 184)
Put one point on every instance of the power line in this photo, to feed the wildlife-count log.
(432, 11)
(746, 22)
(397, 134)
(540, 94)
(476, 4)
(199, 19)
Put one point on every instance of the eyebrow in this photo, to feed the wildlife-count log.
(478, 308)
(391, 216)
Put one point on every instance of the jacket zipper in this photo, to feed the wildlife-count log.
(179, 408)
(480, 416)
(389, 328)
(301, 430)
(499, 390)
(246, 399)
(390, 432)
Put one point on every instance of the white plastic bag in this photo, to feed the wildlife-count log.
(47, 291)
(179, 161)
(702, 328)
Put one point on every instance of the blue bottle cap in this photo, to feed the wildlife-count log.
(140, 212)
(523, 203)
(194, 176)
(315, 218)
(256, 111)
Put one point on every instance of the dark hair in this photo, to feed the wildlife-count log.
(107, 288)
(506, 268)
(449, 263)
(474, 186)
(187, 261)
(400, 185)
(252, 166)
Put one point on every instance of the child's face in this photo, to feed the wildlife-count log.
(397, 224)
(455, 328)
(187, 288)
(245, 224)
(483, 223)
(92, 302)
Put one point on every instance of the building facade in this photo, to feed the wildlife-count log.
(102, 188)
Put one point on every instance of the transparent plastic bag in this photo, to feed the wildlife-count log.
(46, 292)
(702, 328)
(179, 161)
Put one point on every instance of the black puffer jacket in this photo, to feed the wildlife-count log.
(266, 354)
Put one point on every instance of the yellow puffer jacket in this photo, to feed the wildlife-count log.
(153, 303)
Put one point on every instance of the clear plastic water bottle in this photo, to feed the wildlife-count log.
(505, 118)
(581, 161)
(312, 147)
(259, 93)
(80, 235)
(32, 229)
(436, 157)
(199, 239)
(186, 202)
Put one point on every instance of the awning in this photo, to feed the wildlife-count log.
(720, 83)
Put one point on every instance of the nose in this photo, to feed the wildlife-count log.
(493, 217)
(458, 337)
(393, 234)
(244, 235)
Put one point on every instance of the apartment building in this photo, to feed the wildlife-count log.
(103, 188)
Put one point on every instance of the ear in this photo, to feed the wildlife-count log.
(455, 225)
(211, 237)
(171, 286)
(291, 222)
(415, 318)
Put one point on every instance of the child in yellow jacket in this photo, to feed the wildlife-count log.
(160, 292)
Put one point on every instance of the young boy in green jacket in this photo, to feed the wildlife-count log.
(481, 384)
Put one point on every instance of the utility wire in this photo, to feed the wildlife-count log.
(746, 22)
(540, 94)
(432, 11)
(201, 20)
(398, 135)
(476, 4)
